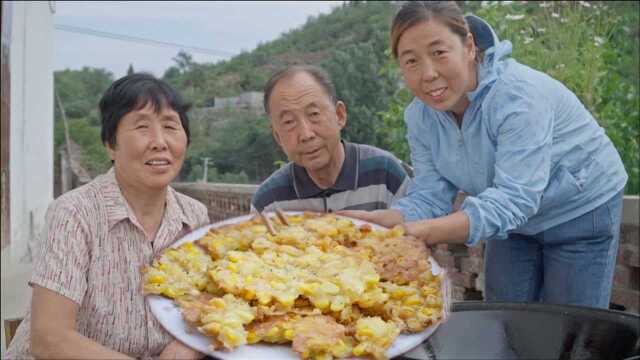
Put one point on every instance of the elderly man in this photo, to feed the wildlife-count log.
(325, 173)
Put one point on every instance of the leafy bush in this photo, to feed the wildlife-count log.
(591, 47)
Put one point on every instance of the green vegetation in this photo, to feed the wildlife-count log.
(591, 47)
(79, 92)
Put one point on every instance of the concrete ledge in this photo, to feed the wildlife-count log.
(218, 187)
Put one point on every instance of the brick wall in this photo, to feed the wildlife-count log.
(626, 282)
(464, 264)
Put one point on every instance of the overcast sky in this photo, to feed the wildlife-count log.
(226, 27)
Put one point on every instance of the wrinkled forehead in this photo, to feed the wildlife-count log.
(298, 91)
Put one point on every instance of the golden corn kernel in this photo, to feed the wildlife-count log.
(232, 267)
(288, 334)
(372, 279)
(428, 290)
(322, 303)
(263, 298)
(211, 328)
(413, 300)
(252, 338)
(287, 300)
(329, 288)
(231, 337)
(235, 257)
(169, 292)
(245, 316)
(277, 285)
(329, 231)
(274, 331)
(338, 304)
(359, 350)
(308, 288)
(156, 279)
(340, 348)
(364, 332)
(217, 302)
(249, 294)
(426, 311)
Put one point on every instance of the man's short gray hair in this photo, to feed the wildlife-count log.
(317, 73)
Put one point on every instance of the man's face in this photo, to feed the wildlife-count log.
(305, 122)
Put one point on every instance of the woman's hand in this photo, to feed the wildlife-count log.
(177, 350)
(418, 229)
(387, 218)
(450, 229)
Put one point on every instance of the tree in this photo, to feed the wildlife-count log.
(130, 70)
(355, 71)
(81, 90)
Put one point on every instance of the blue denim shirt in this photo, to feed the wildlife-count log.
(529, 154)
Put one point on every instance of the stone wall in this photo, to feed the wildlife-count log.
(626, 282)
(464, 264)
(222, 200)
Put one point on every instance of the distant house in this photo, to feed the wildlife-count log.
(27, 122)
(219, 110)
(251, 100)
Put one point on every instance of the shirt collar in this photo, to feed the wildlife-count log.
(118, 209)
(305, 187)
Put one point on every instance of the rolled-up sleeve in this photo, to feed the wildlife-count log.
(62, 262)
(430, 195)
(523, 127)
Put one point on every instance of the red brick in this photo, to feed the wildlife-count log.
(630, 234)
(628, 254)
(442, 247)
(480, 282)
(457, 293)
(628, 298)
(462, 278)
(627, 277)
(458, 249)
(444, 259)
(622, 276)
(476, 251)
(472, 265)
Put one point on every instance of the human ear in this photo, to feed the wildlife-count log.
(470, 46)
(341, 113)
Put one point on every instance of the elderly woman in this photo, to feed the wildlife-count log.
(545, 183)
(87, 301)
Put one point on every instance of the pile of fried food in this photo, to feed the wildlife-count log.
(328, 286)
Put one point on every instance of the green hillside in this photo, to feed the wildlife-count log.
(320, 39)
(590, 46)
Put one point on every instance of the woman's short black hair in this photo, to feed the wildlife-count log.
(134, 92)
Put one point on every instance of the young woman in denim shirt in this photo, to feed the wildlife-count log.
(544, 182)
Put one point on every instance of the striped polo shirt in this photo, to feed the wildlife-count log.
(370, 179)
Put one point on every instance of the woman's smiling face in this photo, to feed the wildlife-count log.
(438, 66)
(150, 148)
